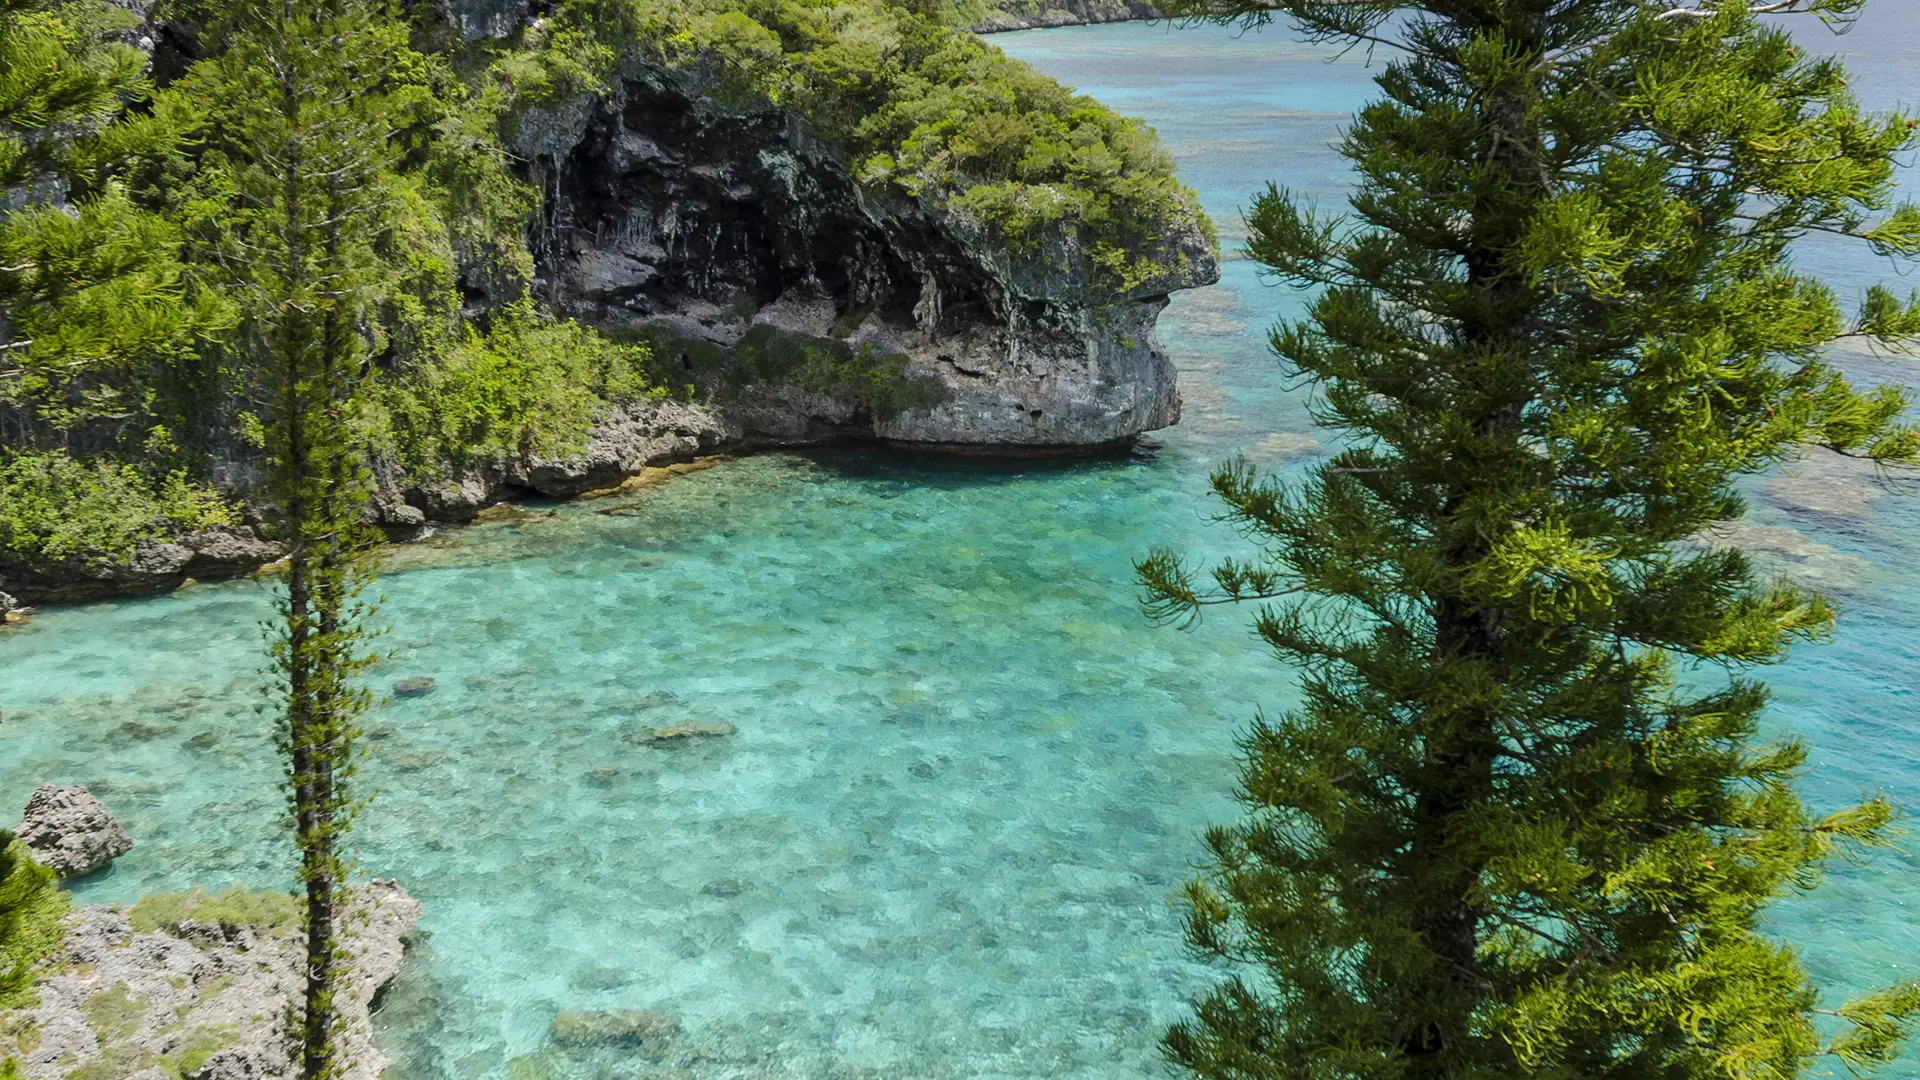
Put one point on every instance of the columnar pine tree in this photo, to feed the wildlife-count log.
(311, 101)
(1503, 836)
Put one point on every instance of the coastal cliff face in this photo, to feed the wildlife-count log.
(1044, 14)
(675, 213)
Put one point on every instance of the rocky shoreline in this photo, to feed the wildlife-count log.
(203, 993)
(186, 986)
(1047, 14)
(626, 446)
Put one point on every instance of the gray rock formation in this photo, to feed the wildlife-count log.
(630, 438)
(204, 1000)
(478, 19)
(680, 733)
(711, 226)
(615, 1027)
(156, 565)
(678, 213)
(1039, 14)
(69, 831)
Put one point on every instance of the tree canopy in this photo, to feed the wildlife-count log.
(1525, 822)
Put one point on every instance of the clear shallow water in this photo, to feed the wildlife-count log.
(966, 777)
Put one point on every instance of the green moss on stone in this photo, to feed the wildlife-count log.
(114, 1063)
(114, 1013)
(873, 379)
(235, 906)
(32, 908)
(199, 1045)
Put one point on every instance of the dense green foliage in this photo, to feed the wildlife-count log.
(125, 320)
(124, 370)
(31, 908)
(99, 321)
(56, 507)
(1524, 824)
(232, 906)
(530, 386)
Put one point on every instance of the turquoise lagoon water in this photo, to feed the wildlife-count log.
(967, 776)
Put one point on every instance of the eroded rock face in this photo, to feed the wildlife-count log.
(69, 831)
(677, 213)
(156, 565)
(478, 19)
(205, 1001)
(1036, 14)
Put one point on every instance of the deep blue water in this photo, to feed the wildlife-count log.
(967, 776)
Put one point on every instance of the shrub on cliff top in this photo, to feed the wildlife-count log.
(232, 906)
(53, 507)
(530, 385)
(31, 907)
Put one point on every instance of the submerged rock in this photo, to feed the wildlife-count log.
(597, 977)
(614, 1027)
(205, 997)
(69, 831)
(681, 733)
(415, 760)
(415, 687)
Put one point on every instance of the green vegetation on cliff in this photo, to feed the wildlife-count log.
(922, 109)
(236, 905)
(125, 384)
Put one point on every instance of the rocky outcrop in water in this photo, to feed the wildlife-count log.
(68, 831)
(1043, 14)
(204, 998)
(677, 208)
(156, 565)
(722, 225)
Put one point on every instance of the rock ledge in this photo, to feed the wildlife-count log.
(202, 996)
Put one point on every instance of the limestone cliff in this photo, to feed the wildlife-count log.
(672, 211)
(1042, 14)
